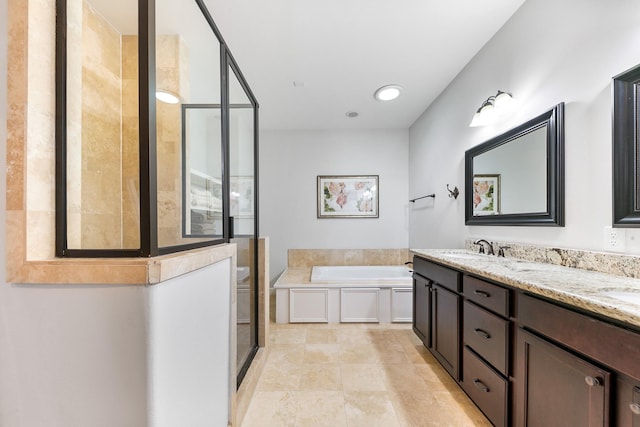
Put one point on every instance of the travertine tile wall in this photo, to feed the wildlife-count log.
(172, 71)
(36, 99)
(311, 257)
(130, 144)
(101, 140)
(30, 203)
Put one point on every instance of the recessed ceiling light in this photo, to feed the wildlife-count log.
(388, 92)
(168, 97)
(351, 114)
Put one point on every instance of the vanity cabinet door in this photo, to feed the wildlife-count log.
(445, 335)
(628, 402)
(422, 309)
(557, 388)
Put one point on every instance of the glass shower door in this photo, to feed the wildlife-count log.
(243, 213)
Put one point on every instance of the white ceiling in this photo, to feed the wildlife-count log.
(343, 50)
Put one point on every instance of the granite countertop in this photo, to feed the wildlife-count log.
(611, 296)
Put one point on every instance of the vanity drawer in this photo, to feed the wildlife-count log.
(487, 335)
(487, 389)
(488, 295)
(444, 276)
(610, 345)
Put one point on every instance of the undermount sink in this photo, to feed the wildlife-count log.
(626, 296)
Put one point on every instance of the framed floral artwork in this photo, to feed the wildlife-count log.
(241, 196)
(348, 196)
(486, 195)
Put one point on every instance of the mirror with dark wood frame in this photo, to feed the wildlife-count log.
(517, 178)
(626, 149)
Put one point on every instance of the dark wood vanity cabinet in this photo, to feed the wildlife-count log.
(526, 360)
(486, 341)
(422, 309)
(436, 312)
(597, 365)
(558, 388)
(627, 410)
(445, 330)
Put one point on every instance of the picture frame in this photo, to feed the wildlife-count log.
(347, 196)
(486, 194)
(242, 196)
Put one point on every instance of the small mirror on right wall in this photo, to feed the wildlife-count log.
(626, 148)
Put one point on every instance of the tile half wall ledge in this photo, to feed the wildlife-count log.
(117, 271)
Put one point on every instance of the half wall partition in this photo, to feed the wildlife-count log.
(156, 138)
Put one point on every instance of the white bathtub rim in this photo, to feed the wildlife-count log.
(360, 273)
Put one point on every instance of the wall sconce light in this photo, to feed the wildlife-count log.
(491, 109)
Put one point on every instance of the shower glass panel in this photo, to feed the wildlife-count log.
(243, 212)
(188, 126)
(102, 145)
(202, 171)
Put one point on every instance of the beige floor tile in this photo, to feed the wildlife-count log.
(362, 377)
(320, 409)
(290, 336)
(286, 353)
(321, 353)
(358, 353)
(280, 377)
(369, 409)
(437, 409)
(353, 335)
(436, 378)
(382, 336)
(391, 352)
(322, 336)
(399, 377)
(271, 409)
(418, 354)
(355, 375)
(317, 376)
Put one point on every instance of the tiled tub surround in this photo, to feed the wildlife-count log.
(600, 293)
(388, 301)
(310, 257)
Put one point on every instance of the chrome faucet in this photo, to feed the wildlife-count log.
(480, 243)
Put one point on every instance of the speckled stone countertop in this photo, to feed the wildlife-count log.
(611, 296)
(301, 276)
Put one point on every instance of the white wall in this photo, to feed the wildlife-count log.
(190, 333)
(290, 161)
(73, 356)
(548, 52)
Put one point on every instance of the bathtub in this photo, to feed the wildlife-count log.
(396, 273)
(329, 294)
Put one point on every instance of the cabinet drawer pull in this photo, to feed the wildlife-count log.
(591, 381)
(484, 334)
(481, 385)
(482, 293)
(635, 408)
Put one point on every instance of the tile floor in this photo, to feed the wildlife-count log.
(355, 375)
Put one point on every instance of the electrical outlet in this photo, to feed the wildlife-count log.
(632, 241)
(614, 239)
